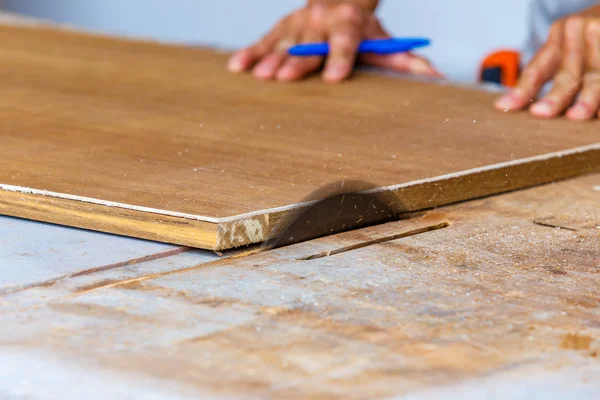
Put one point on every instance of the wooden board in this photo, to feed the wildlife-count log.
(495, 306)
(160, 142)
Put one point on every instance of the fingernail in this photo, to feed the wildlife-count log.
(512, 100)
(335, 72)
(265, 69)
(518, 94)
(263, 72)
(286, 74)
(579, 111)
(543, 108)
(505, 102)
(235, 63)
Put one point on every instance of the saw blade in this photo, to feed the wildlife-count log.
(336, 208)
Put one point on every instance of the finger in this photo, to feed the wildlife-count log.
(267, 67)
(539, 71)
(246, 58)
(588, 102)
(402, 62)
(295, 68)
(345, 34)
(294, 24)
(568, 80)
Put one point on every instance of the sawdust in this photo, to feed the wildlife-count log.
(209, 301)
(576, 341)
(101, 311)
(584, 301)
(556, 270)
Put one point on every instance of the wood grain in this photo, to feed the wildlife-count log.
(162, 228)
(494, 306)
(153, 133)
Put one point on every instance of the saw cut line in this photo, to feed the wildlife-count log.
(385, 239)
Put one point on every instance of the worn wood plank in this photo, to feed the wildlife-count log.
(488, 307)
(163, 133)
(33, 252)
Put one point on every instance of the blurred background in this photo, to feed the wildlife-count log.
(463, 31)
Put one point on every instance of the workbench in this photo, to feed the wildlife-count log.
(504, 302)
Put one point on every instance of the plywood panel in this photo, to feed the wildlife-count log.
(160, 142)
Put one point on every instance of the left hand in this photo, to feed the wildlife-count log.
(571, 58)
(342, 23)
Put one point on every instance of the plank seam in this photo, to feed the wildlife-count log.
(93, 270)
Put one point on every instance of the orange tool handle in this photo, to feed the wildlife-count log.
(502, 67)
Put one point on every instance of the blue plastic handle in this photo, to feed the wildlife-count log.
(377, 46)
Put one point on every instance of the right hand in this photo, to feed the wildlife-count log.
(343, 25)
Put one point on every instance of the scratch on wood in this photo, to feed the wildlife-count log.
(550, 225)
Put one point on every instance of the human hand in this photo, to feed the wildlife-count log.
(344, 25)
(571, 57)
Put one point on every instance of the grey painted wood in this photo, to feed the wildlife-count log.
(35, 252)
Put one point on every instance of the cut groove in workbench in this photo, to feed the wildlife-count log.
(160, 142)
(373, 242)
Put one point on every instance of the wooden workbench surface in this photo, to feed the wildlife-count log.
(503, 302)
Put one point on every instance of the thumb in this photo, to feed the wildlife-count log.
(402, 62)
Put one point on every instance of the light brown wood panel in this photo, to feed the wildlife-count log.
(163, 133)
